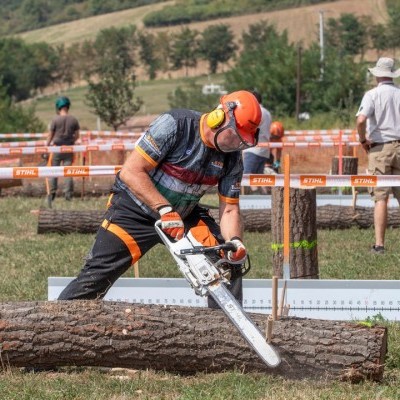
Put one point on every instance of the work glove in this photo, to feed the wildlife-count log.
(276, 166)
(238, 256)
(171, 222)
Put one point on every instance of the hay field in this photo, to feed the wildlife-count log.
(301, 23)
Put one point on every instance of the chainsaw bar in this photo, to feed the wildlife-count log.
(206, 279)
(244, 324)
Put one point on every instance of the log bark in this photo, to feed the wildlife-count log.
(181, 339)
(65, 221)
(328, 217)
(7, 183)
(303, 233)
(349, 165)
(94, 187)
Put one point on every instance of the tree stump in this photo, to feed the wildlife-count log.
(349, 166)
(303, 233)
(181, 339)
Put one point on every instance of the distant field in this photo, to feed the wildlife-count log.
(153, 93)
(301, 23)
(88, 28)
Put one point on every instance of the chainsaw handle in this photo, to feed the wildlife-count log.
(228, 246)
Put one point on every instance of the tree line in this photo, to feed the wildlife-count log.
(265, 60)
(187, 11)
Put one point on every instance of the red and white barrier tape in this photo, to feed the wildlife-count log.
(130, 146)
(321, 132)
(54, 172)
(296, 180)
(318, 132)
(314, 180)
(42, 143)
(134, 135)
(319, 138)
(67, 149)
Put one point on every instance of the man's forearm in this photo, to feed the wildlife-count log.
(143, 188)
(231, 224)
(49, 138)
(361, 128)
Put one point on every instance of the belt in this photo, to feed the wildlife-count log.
(378, 144)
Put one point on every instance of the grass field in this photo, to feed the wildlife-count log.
(301, 23)
(27, 259)
(153, 93)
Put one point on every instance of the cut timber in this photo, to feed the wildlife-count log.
(302, 232)
(181, 339)
(328, 217)
(62, 221)
(7, 183)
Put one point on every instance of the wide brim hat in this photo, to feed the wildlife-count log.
(384, 68)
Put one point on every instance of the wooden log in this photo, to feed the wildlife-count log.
(7, 183)
(181, 339)
(65, 221)
(303, 233)
(93, 188)
(328, 217)
(350, 165)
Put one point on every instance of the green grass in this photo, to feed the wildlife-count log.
(27, 259)
(153, 93)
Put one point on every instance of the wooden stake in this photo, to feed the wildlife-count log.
(268, 329)
(274, 298)
(282, 302)
(286, 310)
(286, 220)
(354, 192)
(136, 269)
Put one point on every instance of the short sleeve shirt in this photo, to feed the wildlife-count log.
(185, 168)
(381, 106)
(64, 128)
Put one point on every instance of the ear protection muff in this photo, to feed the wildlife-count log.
(215, 118)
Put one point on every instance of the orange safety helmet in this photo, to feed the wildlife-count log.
(276, 129)
(247, 113)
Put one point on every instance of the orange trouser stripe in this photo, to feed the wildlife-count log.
(109, 200)
(125, 237)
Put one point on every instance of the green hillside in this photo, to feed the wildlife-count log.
(26, 15)
(300, 25)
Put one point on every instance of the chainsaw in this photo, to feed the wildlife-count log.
(210, 278)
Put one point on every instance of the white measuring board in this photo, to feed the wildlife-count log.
(259, 201)
(308, 298)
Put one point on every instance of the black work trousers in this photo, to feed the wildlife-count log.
(125, 235)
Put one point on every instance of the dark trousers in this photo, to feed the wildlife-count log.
(66, 160)
(126, 234)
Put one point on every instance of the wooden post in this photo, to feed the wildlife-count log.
(340, 153)
(303, 233)
(349, 166)
(274, 298)
(286, 219)
(136, 269)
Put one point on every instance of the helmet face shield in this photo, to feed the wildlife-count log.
(228, 139)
